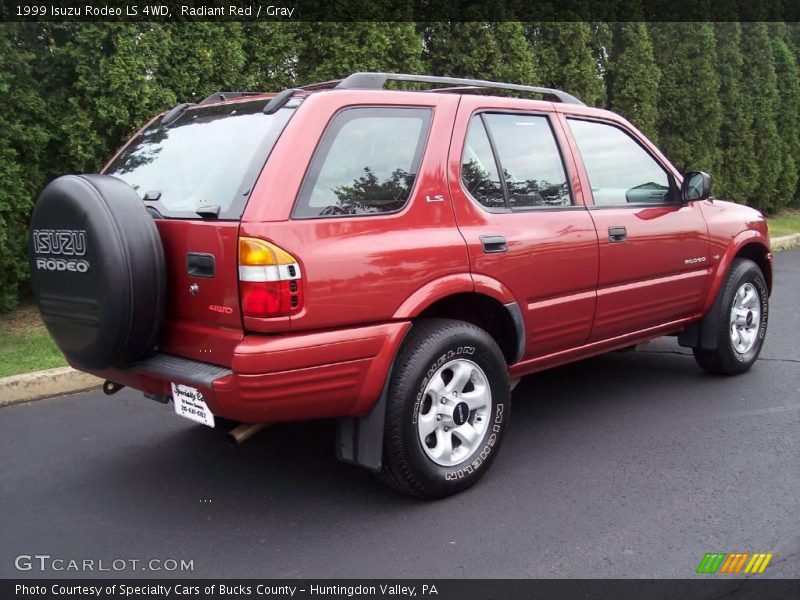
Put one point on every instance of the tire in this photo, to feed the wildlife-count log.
(97, 270)
(741, 321)
(443, 355)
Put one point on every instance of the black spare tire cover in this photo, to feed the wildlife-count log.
(97, 270)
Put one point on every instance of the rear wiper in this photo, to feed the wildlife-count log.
(210, 211)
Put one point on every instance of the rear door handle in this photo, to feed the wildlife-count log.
(617, 234)
(493, 244)
(200, 264)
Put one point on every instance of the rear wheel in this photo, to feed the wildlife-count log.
(741, 322)
(448, 408)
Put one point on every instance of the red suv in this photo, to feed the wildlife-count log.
(395, 259)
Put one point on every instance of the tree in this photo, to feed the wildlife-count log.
(200, 58)
(23, 152)
(633, 76)
(564, 55)
(689, 109)
(270, 55)
(761, 101)
(334, 50)
(735, 177)
(495, 51)
(787, 114)
(115, 87)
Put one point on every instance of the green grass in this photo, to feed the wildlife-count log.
(785, 223)
(25, 344)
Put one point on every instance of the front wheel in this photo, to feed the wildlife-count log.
(741, 323)
(448, 408)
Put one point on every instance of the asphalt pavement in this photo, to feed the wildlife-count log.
(627, 465)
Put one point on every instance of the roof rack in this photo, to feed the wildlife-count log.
(322, 85)
(223, 96)
(376, 81)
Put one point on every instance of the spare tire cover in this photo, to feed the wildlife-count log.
(97, 270)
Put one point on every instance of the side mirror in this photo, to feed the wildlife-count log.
(696, 186)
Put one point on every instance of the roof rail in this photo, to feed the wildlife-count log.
(376, 81)
(222, 96)
(321, 85)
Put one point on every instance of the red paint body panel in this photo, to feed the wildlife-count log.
(731, 227)
(365, 278)
(550, 267)
(294, 377)
(359, 269)
(192, 328)
(645, 280)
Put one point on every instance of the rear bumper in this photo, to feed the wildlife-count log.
(294, 377)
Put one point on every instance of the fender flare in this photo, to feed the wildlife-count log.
(703, 333)
(718, 278)
(359, 440)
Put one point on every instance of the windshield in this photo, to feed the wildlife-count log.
(209, 156)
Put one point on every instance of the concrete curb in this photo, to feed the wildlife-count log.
(786, 242)
(44, 384)
(66, 380)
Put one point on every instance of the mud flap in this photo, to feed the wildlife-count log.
(703, 333)
(359, 441)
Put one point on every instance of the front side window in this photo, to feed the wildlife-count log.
(366, 163)
(620, 171)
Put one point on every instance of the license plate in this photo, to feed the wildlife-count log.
(189, 404)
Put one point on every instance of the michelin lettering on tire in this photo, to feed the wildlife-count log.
(56, 245)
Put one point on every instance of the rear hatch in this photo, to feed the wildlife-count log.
(195, 174)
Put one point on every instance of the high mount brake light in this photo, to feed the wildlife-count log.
(270, 280)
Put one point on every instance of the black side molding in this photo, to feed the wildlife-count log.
(519, 325)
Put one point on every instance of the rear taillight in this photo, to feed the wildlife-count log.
(270, 281)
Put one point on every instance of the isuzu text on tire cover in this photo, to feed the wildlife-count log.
(389, 258)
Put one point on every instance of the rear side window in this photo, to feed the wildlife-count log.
(620, 171)
(526, 154)
(479, 169)
(366, 163)
(531, 162)
(211, 155)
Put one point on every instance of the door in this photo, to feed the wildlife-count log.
(654, 261)
(194, 174)
(528, 229)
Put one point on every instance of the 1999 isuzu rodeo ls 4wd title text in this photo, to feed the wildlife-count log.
(391, 258)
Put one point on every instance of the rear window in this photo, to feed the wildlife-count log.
(211, 155)
(366, 163)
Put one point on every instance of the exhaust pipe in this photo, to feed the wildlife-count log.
(111, 387)
(243, 432)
